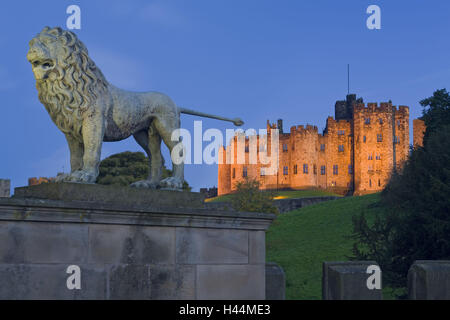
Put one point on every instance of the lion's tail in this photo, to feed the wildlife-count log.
(236, 121)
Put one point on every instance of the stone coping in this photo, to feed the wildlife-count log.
(120, 195)
(14, 209)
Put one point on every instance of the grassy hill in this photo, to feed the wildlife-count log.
(290, 194)
(302, 239)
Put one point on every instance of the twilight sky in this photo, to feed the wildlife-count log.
(254, 59)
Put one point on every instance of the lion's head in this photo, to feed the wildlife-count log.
(68, 81)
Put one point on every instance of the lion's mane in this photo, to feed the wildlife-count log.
(75, 84)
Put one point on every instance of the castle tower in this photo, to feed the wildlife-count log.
(418, 132)
(381, 138)
(343, 109)
(224, 173)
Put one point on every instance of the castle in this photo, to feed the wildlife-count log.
(356, 153)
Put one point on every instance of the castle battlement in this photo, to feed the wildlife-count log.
(372, 107)
(384, 107)
(301, 129)
(403, 109)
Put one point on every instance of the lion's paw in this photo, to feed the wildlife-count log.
(81, 176)
(172, 183)
(145, 184)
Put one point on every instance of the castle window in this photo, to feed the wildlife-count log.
(263, 172)
(379, 138)
(370, 157)
(335, 169)
(285, 148)
(322, 147)
(398, 122)
(381, 121)
(244, 172)
(350, 169)
(234, 173)
(370, 183)
(246, 149)
(396, 139)
(367, 120)
(315, 169)
(295, 169)
(305, 169)
(341, 148)
(341, 132)
(364, 139)
(285, 171)
(378, 156)
(379, 183)
(323, 170)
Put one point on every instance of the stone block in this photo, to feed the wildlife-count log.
(122, 244)
(209, 246)
(275, 282)
(257, 247)
(42, 242)
(131, 282)
(230, 282)
(348, 281)
(48, 281)
(172, 282)
(429, 280)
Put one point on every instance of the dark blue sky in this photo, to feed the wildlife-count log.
(256, 59)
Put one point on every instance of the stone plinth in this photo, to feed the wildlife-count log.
(123, 196)
(429, 280)
(348, 281)
(124, 251)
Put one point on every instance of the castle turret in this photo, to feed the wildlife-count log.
(343, 108)
(280, 126)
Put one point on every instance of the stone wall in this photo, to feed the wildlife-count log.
(124, 252)
(350, 280)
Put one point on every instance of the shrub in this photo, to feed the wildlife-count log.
(250, 198)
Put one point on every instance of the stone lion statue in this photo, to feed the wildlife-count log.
(89, 110)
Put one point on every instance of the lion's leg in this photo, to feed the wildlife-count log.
(157, 161)
(92, 132)
(165, 128)
(76, 153)
(142, 138)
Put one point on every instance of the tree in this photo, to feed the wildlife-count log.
(127, 167)
(436, 111)
(415, 223)
(250, 198)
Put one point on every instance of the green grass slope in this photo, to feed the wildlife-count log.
(302, 239)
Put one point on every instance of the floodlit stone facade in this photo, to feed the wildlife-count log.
(356, 152)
